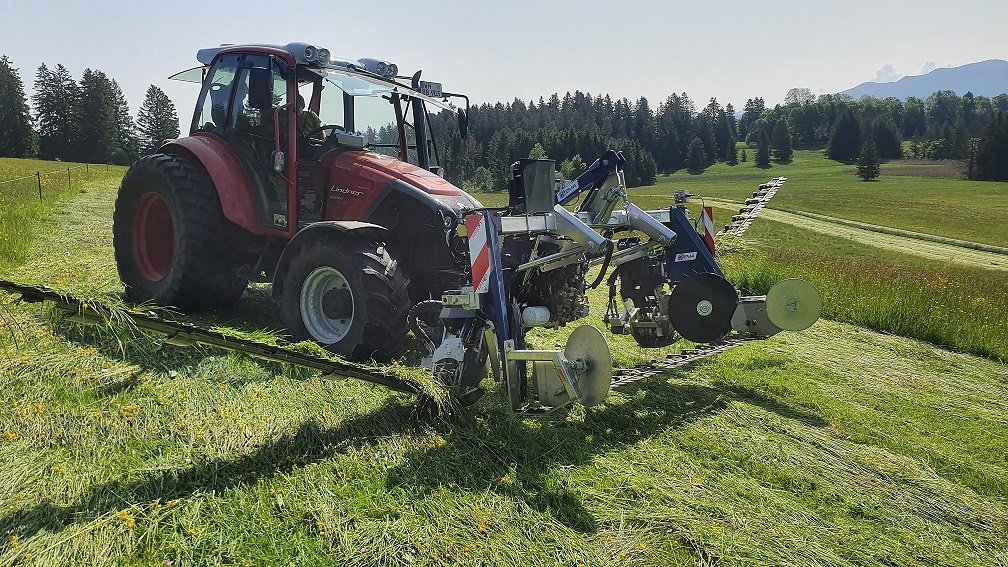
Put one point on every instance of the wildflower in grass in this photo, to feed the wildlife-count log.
(10, 435)
(127, 517)
(13, 541)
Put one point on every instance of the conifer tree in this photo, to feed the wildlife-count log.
(17, 139)
(762, 150)
(696, 157)
(868, 163)
(992, 153)
(57, 112)
(845, 139)
(781, 141)
(127, 148)
(156, 121)
(96, 136)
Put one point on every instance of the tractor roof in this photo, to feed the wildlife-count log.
(380, 75)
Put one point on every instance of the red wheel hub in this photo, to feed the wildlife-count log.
(153, 237)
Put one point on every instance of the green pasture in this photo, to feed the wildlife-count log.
(838, 445)
(928, 197)
(20, 205)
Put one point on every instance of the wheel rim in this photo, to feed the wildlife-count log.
(153, 237)
(327, 306)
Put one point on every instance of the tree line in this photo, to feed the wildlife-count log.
(83, 121)
(679, 135)
(89, 120)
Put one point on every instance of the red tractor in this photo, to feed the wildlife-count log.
(340, 205)
(362, 238)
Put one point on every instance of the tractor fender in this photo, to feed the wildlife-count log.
(228, 176)
(334, 231)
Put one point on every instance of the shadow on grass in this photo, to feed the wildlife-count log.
(308, 445)
(485, 448)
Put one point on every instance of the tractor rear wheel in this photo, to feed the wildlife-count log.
(173, 245)
(350, 296)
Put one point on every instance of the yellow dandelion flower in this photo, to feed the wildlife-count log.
(127, 517)
(13, 541)
(10, 435)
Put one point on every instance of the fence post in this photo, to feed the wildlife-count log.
(68, 179)
(87, 169)
(38, 175)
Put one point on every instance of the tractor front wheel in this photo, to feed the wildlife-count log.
(350, 296)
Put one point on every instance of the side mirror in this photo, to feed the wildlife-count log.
(463, 124)
(260, 88)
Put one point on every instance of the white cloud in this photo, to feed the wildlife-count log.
(928, 67)
(887, 74)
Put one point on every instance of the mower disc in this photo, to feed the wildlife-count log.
(793, 304)
(588, 344)
(701, 307)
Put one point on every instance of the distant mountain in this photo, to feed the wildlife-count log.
(986, 78)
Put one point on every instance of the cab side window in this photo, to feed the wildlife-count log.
(215, 106)
(247, 114)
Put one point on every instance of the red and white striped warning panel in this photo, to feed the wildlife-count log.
(707, 221)
(479, 252)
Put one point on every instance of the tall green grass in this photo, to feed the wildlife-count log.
(20, 205)
(947, 304)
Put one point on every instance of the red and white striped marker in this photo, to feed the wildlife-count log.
(479, 252)
(707, 220)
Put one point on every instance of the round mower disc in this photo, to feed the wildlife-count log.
(793, 304)
(701, 307)
(588, 344)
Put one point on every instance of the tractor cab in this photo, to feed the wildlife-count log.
(285, 112)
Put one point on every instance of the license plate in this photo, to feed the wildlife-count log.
(432, 90)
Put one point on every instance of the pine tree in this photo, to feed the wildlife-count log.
(745, 157)
(887, 139)
(992, 153)
(781, 141)
(156, 121)
(732, 157)
(57, 113)
(17, 139)
(845, 139)
(537, 152)
(763, 150)
(868, 162)
(97, 136)
(127, 148)
(696, 158)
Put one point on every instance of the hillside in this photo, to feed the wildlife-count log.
(985, 78)
(834, 446)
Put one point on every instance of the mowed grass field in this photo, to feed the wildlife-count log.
(834, 446)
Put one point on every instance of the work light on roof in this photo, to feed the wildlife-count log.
(380, 68)
(323, 56)
(310, 53)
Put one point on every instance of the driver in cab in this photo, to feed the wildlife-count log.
(308, 123)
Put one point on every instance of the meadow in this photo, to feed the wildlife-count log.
(927, 197)
(838, 445)
(20, 205)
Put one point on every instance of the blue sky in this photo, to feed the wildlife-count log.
(502, 50)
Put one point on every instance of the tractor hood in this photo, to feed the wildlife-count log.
(362, 179)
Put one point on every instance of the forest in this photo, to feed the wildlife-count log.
(89, 121)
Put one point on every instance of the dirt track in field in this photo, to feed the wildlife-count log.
(934, 250)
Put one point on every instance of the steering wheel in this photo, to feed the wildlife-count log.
(320, 129)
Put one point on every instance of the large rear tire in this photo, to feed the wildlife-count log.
(173, 245)
(350, 296)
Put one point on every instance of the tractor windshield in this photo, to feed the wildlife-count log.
(374, 112)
